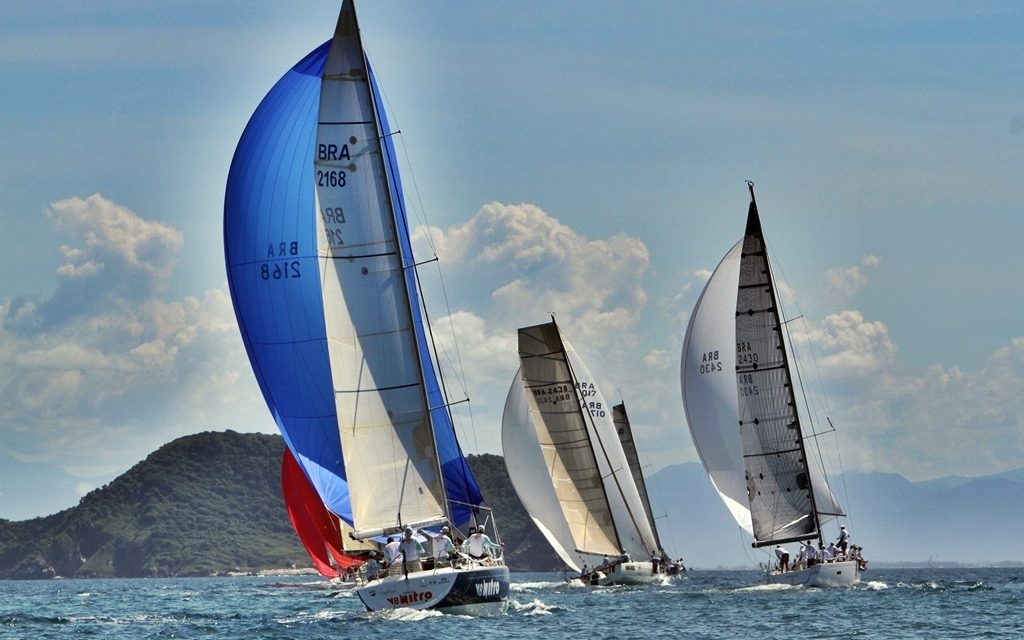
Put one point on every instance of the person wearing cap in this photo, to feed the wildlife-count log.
(441, 545)
(783, 557)
(844, 538)
(410, 550)
(479, 545)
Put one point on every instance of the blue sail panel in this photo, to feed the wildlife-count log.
(460, 485)
(271, 254)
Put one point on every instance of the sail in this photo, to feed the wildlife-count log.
(709, 387)
(317, 528)
(621, 421)
(585, 462)
(318, 260)
(562, 434)
(528, 472)
(379, 393)
(740, 404)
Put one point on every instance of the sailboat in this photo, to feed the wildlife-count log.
(625, 430)
(568, 467)
(325, 292)
(741, 406)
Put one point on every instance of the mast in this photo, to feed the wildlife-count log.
(589, 420)
(407, 261)
(753, 228)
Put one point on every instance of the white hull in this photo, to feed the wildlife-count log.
(829, 574)
(627, 573)
(476, 591)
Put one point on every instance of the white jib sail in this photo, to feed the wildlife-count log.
(632, 521)
(710, 397)
(387, 442)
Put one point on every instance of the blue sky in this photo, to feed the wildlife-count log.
(585, 159)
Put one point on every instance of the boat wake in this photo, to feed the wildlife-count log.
(759, 588)
(534, 586)
(407, 614)
(533, 608)
(873, 585)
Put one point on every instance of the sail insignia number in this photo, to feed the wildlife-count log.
(332, 217)
(710, 362)
(278, 265)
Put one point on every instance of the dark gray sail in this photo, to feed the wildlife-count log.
(622, 426)
(778, 478)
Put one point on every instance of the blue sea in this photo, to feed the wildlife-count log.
(894, 603)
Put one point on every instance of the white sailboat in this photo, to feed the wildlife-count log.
(741, 406)
(325, 291)
(568, 467)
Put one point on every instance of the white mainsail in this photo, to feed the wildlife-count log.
(389, 452)
(584, 460)
(739, 400)
(529, 472)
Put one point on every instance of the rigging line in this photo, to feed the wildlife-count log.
(777, 314)
(585, 414)
(618, 485)
(421, 214)
(808, 403)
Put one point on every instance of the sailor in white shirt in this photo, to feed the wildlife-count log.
(801, 557)
(783, 556)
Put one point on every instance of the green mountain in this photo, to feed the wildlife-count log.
(208, 504)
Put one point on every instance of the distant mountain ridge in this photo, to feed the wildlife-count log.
(955, 519)
(209, 504)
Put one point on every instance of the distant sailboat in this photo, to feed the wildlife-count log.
(741, 407)
(625, 430)
(568, 467)
(325, 291)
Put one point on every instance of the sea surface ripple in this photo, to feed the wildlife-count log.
(890, 603)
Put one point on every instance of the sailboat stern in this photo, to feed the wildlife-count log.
(475, 591)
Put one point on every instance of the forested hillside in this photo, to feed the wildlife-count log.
(208, 504)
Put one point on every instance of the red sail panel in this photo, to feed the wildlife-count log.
(317, 528)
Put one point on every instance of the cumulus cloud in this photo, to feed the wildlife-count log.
(541, 266)
(844, 282)
(529, 265)
(107, 369)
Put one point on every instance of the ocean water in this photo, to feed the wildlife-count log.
(907, 603)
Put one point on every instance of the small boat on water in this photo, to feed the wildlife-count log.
(567, 464)
(325, 290)
(740, 397)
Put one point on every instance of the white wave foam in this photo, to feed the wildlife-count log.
(769, 587)
(405, 614)
(533, 608)
(530, 586)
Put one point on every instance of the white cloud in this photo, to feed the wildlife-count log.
(517, 265)
(540, 266)
(106, 370)
(844, 282)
